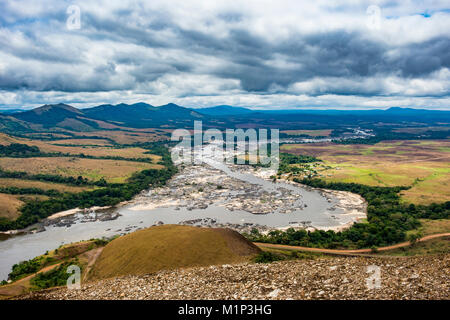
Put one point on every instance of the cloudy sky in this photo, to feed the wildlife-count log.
(253, 53)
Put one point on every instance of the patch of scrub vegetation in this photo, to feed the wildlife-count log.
(17, 149)
(62, 254)
(57, 276)
(269, 255)
(28, 267)
(289, 163)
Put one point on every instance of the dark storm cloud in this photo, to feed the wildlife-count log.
(338, 54)
(424, 58)
(120, 29)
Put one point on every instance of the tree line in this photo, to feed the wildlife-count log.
(18, 150)
(22, 191)
(78, 181)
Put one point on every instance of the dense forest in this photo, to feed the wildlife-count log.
(79, 181)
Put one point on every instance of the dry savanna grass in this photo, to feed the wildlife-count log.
(41, 135)
(170, 247)
(9, 206)
(82, 142)
(115, 171)
(123, 137)
(19, 183)
(7, 139)
(430, 247)
(102, 151)
(424, 165)
(433, 226)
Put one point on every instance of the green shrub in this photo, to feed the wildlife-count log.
(267, 257)
(24, 268)
(56, 277)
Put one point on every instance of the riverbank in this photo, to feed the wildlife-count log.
(351, 204)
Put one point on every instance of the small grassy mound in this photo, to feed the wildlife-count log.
(170, 247)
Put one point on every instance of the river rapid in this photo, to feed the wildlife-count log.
(211, 194)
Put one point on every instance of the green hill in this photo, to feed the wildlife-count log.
(170, 247)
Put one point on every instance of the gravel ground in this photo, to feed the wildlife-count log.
(325, 278)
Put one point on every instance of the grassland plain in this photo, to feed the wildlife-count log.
(9, 206)
(431, 247)
(82, 142)
(71, 163)
(123, 137)
(89, 150)
(21, 183)
(424, 165)
(114, 171)
(432, 226)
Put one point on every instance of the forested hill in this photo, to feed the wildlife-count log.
(63, 117)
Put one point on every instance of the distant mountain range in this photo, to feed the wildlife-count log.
(63, 117)
(224, 110)
(142, 115)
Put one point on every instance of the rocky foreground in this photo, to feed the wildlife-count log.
(326, 278)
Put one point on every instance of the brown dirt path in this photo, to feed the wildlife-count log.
(349, 252)
(92, 256)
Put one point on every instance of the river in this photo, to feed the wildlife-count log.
(226, 206)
